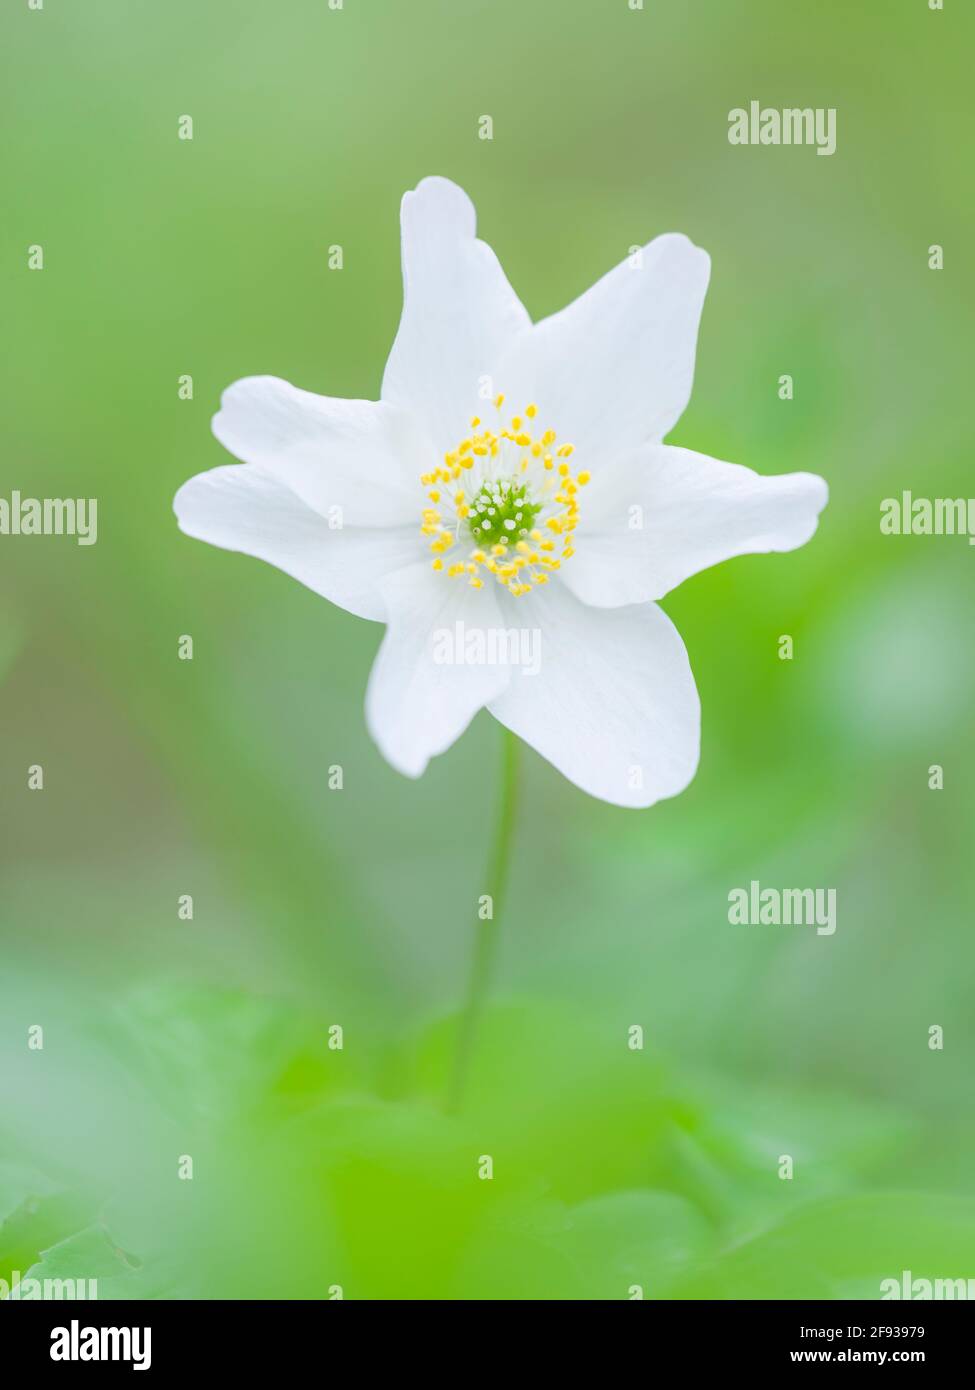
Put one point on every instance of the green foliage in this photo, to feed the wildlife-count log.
(844, 1248)
(611, 1172)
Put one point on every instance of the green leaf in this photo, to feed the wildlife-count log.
(36, 1212)
(844, 1248)
(645, 1239)
(91, 1261)
(557, 1093)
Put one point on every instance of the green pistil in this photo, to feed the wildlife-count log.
(502, 513)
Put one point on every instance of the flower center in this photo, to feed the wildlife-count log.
(502, 511)
(514, 500)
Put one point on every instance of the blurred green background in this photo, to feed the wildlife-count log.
(314, 1167)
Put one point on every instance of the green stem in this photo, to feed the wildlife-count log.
(485, 942)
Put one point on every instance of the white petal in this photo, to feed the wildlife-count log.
(649, 521)
(459, 313)
(417, 706)
(614, 369)
(614, 705)
(361, 456)
(241, 507)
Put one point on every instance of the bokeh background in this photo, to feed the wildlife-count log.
(314, 1167)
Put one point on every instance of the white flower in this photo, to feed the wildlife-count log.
(511, 477)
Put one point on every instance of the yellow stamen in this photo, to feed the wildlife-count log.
(502, 489)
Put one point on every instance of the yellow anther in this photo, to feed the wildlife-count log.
(522, 494)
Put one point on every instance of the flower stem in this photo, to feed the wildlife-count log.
(485, 942)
